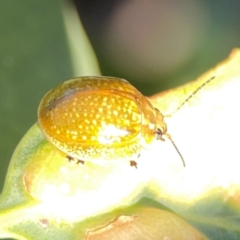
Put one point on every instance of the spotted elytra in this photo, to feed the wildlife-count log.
(101, 118)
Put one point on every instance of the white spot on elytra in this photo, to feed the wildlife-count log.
(115, 112)
(107, 133)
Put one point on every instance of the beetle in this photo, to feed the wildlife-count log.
(101, 118)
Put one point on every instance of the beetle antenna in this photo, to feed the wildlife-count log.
(159, 137)
(176, 148)
(190, 96)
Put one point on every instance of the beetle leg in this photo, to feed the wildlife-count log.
(70, 159)
(80, 161)
(133, 164)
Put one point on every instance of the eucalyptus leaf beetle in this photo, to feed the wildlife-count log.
(100, 119)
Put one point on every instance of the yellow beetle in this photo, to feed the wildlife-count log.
(100, 118)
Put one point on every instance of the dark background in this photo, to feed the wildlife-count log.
(155, 44)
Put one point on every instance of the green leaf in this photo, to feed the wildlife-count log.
(45, 196)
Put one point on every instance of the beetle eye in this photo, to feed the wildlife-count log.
(159, 134)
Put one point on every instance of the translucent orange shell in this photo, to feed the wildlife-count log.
(99, 118)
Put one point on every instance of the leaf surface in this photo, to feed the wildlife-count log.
(47, 197)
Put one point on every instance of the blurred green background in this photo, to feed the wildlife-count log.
(154, 44)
